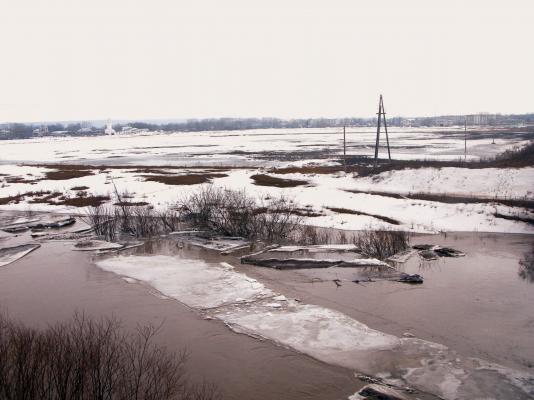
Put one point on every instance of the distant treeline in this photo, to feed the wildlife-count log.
(22, 131)
(230, 124)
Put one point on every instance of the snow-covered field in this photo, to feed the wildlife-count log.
(234, 147)
(257, 151)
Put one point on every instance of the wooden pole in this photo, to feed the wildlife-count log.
(378, 129)
(344, 150)
(385, 126)
(465, 139)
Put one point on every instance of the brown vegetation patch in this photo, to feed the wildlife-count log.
(46, 199)
(309, 170)
(377, 193)
(266, 180)
(78, 188)
(301, 212)
(61, 175)
(20, 179)
(354, 212)
(21, 196)
(519, 218)
(150, 171)
(131, 203)
(86, 201)
(190, 179)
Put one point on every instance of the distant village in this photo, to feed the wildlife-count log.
(95, 128)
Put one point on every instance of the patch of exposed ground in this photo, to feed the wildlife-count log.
(301, 212)
(519, 218)
(312, 169)
(47, 198)
(354, 212)
(20, 179)
(55, 198)
(131, 203)
(85, 201)
(61, 174)
(267, 180)
(21, 196)
(79, 188)
(190, 179)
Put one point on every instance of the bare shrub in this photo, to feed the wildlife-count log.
(381, 244)
(103, 221)
(279, 220)
(311, 235)
(234, 213)
(88, 359)
(170, 219)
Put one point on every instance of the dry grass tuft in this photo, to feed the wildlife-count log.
(354, 212)
(266, 180)
(190, 179)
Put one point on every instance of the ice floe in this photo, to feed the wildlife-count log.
(193, 282)
(14, 253)
(93, 245)
(248, 307)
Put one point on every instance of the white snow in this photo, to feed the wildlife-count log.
(209, 148)
(485, 182)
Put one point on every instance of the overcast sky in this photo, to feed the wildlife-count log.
(127, 59)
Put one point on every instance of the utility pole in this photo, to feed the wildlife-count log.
(381, 114)
(465, 139)
(344, 150)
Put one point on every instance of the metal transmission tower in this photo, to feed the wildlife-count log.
(381, 114)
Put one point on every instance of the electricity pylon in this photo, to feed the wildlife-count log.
(381, 114)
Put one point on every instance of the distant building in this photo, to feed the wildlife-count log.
(109, 129)
(481, 119)
(41, 131)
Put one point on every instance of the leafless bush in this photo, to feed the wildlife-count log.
(279, 219)
(311, 235)
(381, 244)
(170, 219)
(103, 220)
(88, 359)
(234, 213)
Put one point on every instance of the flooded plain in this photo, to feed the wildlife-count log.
(477, 306)
(52, 283)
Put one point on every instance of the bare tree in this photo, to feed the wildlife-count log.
(91, 359)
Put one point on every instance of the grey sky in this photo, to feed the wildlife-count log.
(71, 59)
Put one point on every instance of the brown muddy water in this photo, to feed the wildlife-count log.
(477, 305)
(54, 282)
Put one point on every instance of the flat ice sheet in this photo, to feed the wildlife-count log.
(12, 254)
(248, 307)
(193, 282)
(313, 330)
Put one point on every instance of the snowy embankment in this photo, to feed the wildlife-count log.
(515, 183)
(248, 307)
(339, 200)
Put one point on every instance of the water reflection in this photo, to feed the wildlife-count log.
(526, 265)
